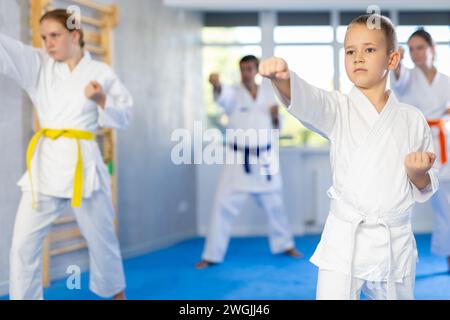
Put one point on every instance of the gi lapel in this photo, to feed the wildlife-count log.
(381, 127)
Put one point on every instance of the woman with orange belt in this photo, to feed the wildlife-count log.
(429, 90)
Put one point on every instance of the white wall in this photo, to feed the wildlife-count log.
(15, 129)
(157, 57)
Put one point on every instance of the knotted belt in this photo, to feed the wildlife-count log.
(56, 134)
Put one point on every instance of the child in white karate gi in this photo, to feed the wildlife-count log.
(382, 162)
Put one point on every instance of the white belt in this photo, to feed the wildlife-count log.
(344, 211)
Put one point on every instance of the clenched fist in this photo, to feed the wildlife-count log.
(94, 92)
(417, 165)
(274, 68)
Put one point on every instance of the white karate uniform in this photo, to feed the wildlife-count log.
(367, 235)
(433, 100)
(262, 182)
(413, 88)
(58, 95)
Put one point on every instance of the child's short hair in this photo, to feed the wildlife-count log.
(385, 24)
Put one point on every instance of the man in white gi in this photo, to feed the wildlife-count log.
(381, 158)
(249, 107)
(73, 96)
(429, 90)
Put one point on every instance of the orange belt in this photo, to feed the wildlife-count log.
(440, 124)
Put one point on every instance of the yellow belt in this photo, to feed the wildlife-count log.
(55, 134)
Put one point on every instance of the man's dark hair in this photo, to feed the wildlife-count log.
(250, 58)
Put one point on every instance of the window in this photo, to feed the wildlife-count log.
(231, 35)
(223, 47)
(305, 41)
(313, 63)
(303, 34)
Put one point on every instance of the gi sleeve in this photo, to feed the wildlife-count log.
(226, 99)
(400, 85)
(270, 101)
(422, 195)
(20, 62)
(269, 94)
(118, 106)
(316, 109)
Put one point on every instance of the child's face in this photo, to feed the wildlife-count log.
(367, 60)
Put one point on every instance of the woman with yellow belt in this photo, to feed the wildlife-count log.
(73, 96)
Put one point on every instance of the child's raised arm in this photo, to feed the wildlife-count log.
(315, 108)
(276, 69)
